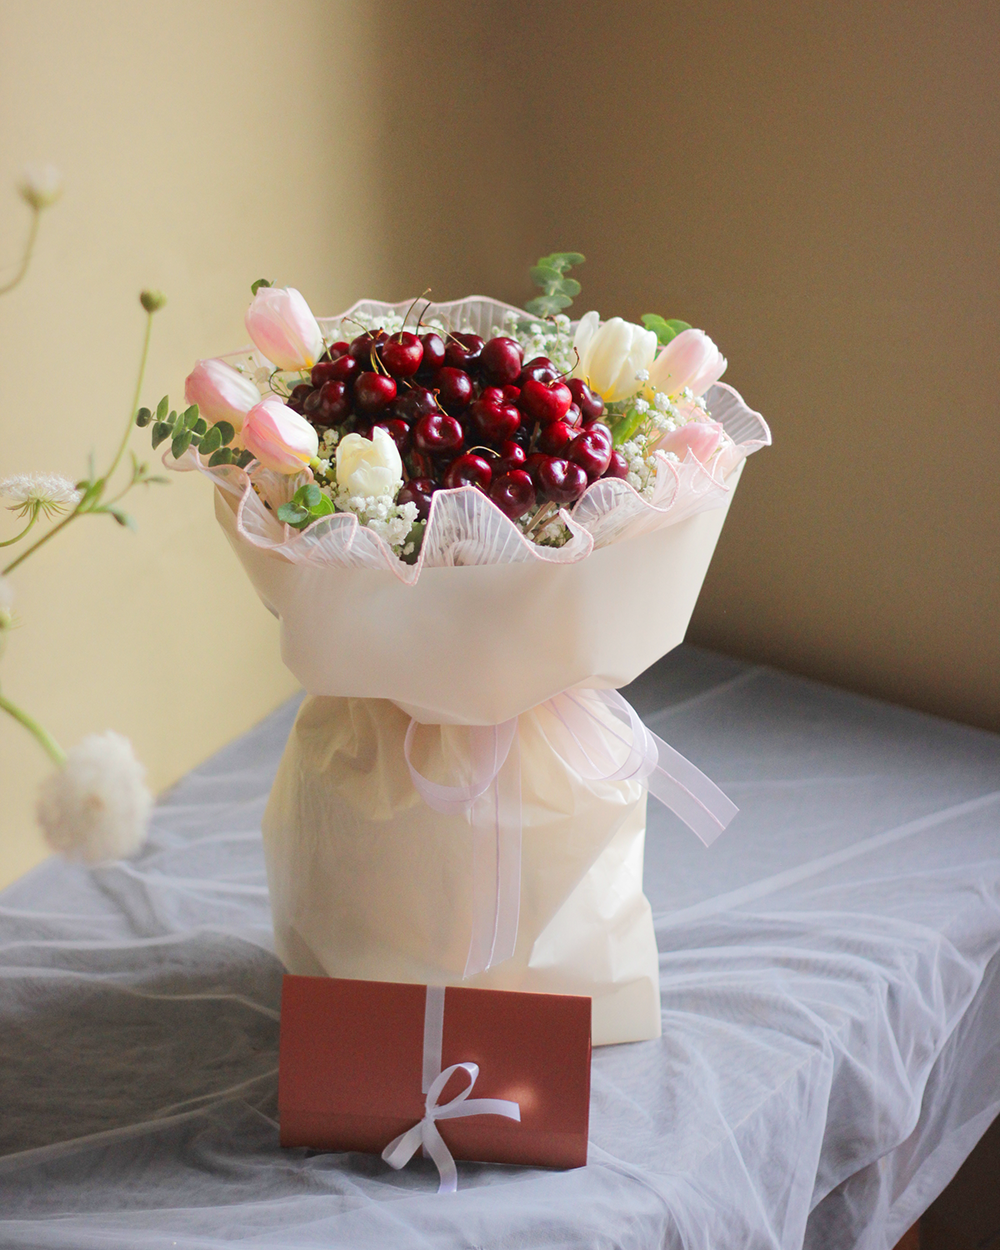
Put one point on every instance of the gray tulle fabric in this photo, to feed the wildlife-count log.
(831, 1012)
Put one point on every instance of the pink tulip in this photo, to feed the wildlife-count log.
(221, 392)
(279, 438)
(700, 438)
(283, 328)
(689, 360)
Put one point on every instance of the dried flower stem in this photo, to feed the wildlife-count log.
(41, 735)
(29, 247)
(88, 500)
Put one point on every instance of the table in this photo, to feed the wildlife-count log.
(831, 1011)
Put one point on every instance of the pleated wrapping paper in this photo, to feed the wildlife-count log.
(485, 629)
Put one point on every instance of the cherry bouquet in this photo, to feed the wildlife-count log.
(474, 522)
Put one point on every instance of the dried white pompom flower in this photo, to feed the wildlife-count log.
(33, 492)
(96, 807)
(41, 185)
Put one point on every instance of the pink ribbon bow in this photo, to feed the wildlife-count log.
(492, 801)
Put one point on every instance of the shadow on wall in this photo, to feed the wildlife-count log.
(815, 186)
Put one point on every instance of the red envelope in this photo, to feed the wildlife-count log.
(351, 1067)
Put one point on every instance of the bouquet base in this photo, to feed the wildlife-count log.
(369, 883)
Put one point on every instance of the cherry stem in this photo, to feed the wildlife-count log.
(408, 311)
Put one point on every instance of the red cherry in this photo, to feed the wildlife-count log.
(298, 397)
(591, 450)
(454, 388)
(512, 394)
(335, 403)
(554, 438)
(468, 470)
(402, 354)
(492, 394)
(514, 493)
(462, 351)
(321, 373)
(533, 463)
(573, 417)
(413, 403)
(398, 431)
(372, 391)
(361, 347)
(418, 490)
(617, 465)
(434, 351)
(588, 401)
(437, 434)
(512, 456)
(545, 401)
(501, 360)
(340, 348)
(494, 423)
(541, 369)
(561, 480)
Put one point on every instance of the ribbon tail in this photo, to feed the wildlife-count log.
(684, 788)
(401, 1149)
(496, 866)
(434, 1145)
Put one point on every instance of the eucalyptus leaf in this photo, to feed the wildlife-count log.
(212, 441)
(190, 417)
(226, 432)
(292, 514)
(569, 286)
(323, 508)
(542, 275)
(678, 326)
(562, 260)
(255, 286)
(162, 407)
(223, 456)
(181, 442)
(161, 430)
(308, 496)
(143, 417)
(200, 426)
(243, 458)
(123, 518)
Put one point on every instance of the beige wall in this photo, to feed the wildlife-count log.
(203, 145)
(816, 185)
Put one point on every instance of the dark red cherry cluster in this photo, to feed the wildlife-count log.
(464, 412)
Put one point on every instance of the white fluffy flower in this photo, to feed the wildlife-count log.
(96, 807)
(40, 185)
(33, 492)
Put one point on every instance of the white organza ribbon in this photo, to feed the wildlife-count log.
(492, 801)
(425, 1132)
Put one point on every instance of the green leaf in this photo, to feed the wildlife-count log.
(223, 456)
(308, 496)
(255, 286)
(292, 514)
(627, 426)
(143, 417)
(161, 430)
(226, 432)
(189, 417)
(212, 441)
(181, 442)
(161, 407)
(123, 518)
(562, 260)
(323, 508)
(568, 286)
(663, 329)
(548, 305)
(243, 458)
(200, 426)
(543, 275)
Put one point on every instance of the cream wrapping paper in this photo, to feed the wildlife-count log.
(368, 882)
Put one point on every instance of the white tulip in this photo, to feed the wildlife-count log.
(369, 467)
(690, 360)
(613, 356)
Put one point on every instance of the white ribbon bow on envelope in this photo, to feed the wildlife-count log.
(492, 801)
(425, 1132)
